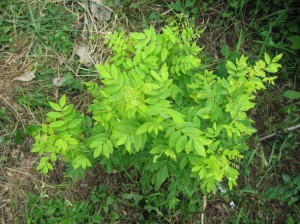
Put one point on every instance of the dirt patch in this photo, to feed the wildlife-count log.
(17, 180)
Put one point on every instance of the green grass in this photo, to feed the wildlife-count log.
(41, 209)
(48, 23)
(36, 35)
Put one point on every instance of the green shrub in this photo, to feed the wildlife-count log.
(157, 112)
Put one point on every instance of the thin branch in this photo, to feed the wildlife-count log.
(203, 209)
(284, 130)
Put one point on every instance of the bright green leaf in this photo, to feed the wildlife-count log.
(174, 138)
(122, 140)
(199, 148)
(41, 166)
(144, 128)
(189, 146)
(142, 43)
(50, 167)
(177, 117)
(54, 115)
(156, 76)
(103, 71)
(273, 68)
(110, 146)
(62, 101)
(97, 142)
(138, 36)
(55, 106)
(56, 124)
(277, 58)
(164, 53)
(267, 58)
(106, 150)
(231, 65)
(98, 151)
(180, 145)
(170, 153)
(164, 72)
(45, 170)
(74, 123)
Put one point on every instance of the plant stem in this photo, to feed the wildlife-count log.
(204, 206)
(284, 130)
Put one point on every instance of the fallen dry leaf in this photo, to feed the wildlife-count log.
(83, 53)
(266, 163)
(288, 85)
(9, 174)
(100, 11)
(26, 77)
(59, 81)
(61, 60)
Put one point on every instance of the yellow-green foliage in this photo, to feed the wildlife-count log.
(159, 113)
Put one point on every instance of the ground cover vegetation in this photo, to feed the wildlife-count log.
(149, 111)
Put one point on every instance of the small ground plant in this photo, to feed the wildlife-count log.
(58, 210)
(157, 112)
(287, 192)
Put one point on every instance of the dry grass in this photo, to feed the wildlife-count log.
(18, 175)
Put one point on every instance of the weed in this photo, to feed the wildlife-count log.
(188, 7)
(108, 202)
(41, 209)
(72, 84)
(49, 23)
(287, 192)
